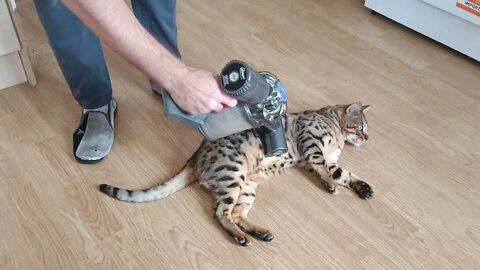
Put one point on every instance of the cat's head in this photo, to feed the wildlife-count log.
(354, 124)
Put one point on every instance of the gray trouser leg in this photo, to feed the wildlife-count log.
(158, 17)
(78, 52)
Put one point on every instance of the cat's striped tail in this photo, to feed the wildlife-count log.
(181, 180)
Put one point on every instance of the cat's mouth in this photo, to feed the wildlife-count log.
(355, 141)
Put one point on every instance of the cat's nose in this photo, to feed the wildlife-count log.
(365, 136)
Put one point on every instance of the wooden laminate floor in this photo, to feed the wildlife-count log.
(423, 158)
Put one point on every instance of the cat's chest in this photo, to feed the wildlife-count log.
(332, 152)
(269, 161)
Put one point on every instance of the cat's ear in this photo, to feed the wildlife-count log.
(354, 107)
(365, 108)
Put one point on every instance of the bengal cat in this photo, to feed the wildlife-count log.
(233, 167)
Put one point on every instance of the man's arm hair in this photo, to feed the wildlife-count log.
(115, 24)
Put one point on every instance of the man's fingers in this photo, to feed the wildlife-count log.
(218, 107)
(228, 100)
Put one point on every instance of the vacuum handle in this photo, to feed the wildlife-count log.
(247, 86)
(172, 110)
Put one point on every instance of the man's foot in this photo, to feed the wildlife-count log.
(93, 138)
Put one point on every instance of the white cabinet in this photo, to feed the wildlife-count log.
(454, 23)
(14, 68)
(9, 40)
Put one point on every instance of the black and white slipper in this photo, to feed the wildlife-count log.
(94, 136)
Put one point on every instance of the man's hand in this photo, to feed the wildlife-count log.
(198, 91)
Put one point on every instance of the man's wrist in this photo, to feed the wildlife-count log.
(176, 72)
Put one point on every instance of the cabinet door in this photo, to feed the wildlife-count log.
(8, 38)
(11, 70)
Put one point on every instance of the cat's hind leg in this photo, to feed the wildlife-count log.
(226, 196)
(241, 209)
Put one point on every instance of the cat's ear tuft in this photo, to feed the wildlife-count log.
(365, 108)
(354, 107)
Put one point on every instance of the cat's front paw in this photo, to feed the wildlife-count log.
(363, 190)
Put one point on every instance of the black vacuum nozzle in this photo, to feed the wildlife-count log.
(243, 83)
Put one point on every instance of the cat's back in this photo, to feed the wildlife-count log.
(237, 152)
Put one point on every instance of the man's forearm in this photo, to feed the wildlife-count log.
(115, 24)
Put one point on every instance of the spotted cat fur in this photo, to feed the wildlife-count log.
(233, 167)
